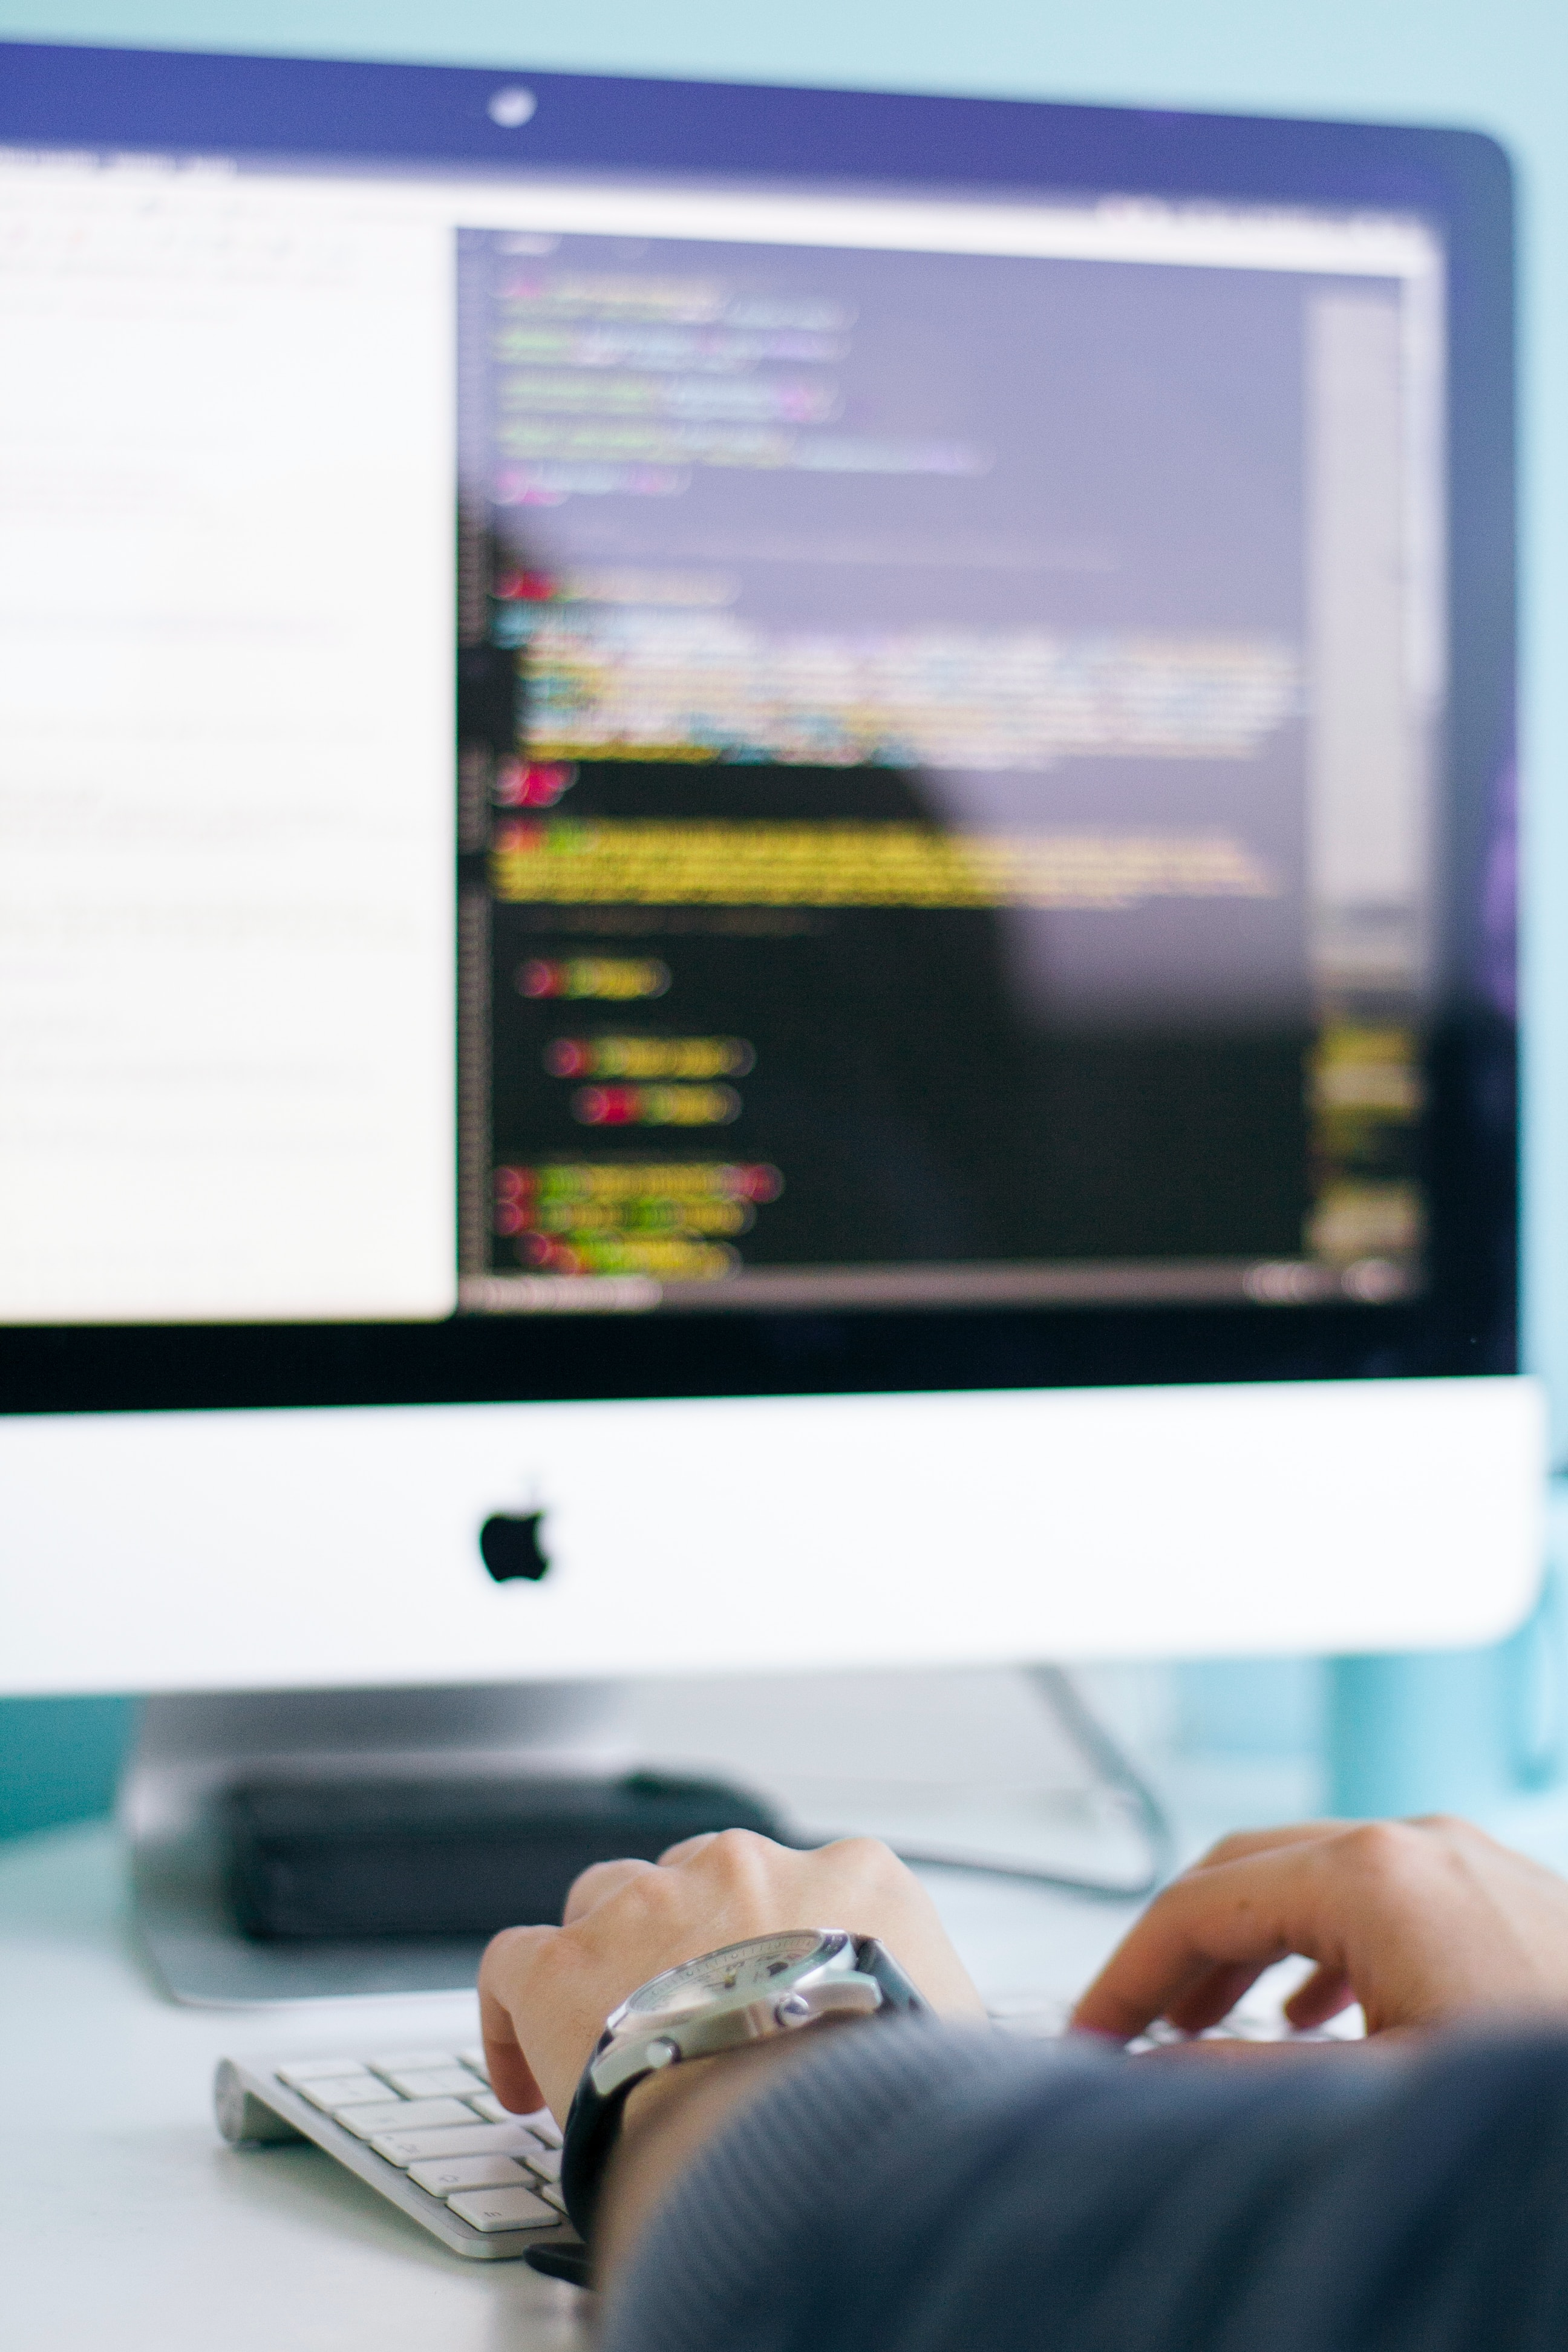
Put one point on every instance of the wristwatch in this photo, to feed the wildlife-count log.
(745, 1993)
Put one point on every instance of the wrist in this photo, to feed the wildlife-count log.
(734, 2001)
(666, 2121)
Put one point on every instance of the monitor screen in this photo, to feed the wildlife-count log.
(946, 699)
(950, 823)
(647, 779)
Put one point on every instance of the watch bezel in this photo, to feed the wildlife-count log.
(726, 2020)
(639, 2009)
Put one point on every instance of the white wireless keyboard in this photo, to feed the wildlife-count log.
(425, 2128)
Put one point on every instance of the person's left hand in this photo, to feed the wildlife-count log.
(545, 1992)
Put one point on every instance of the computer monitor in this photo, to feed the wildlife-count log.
(759, 848)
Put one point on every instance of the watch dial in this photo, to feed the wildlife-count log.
(747, 1969)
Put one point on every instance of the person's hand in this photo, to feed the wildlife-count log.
(545, 1992)
(1422, 1922)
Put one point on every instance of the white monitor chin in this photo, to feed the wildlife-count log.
(336, 1548)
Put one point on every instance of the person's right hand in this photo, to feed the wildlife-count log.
(1422, 1922)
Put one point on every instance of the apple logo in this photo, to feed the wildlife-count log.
(509, 1546)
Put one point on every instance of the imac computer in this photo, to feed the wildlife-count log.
(757, 882)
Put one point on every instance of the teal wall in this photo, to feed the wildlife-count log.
(1501, 67)
(59, 1759)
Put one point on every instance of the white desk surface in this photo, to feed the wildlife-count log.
(131, 2226)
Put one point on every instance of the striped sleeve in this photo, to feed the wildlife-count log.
(916, 2188)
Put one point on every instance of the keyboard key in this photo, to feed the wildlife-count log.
(476, 2059)
(542, 2124)
(436, 2082)
(503, 2209)
(335, 2094)
(301, 2071)
(405, 2147)
(439, 2179)
(404, 2115)
(413, 2062)
(545, 2161)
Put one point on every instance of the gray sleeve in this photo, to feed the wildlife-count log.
(912, 2188)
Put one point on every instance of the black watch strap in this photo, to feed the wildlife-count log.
(594, 2120)
(592, 2125)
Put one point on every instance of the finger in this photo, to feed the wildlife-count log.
(1241, 1844)
(684, 1848)
(1328, 1992)
(597, 1884)
(1213, 1996)
(1153, 1972)
(508, 1960)
(1245, 1915)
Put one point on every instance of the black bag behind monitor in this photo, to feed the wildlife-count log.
(316, 1859)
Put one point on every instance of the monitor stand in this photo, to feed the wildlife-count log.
(192, 1747)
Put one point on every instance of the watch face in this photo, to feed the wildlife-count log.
(747, 1970)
